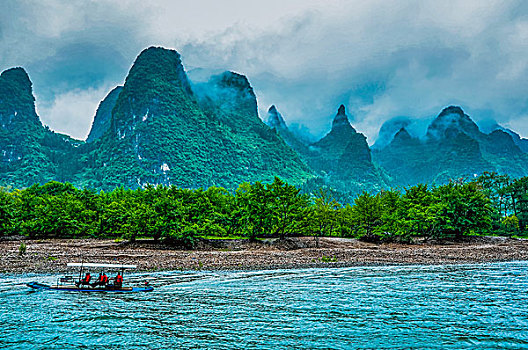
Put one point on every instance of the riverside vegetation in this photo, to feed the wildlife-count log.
(491, 203)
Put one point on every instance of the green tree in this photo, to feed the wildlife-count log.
(276, 209)
(498, 188)
(119, 214)
(416, 216)
(6, 212)
(366, 215)
(511, 224)
(256, 218)
(287, 208)
(324, 214)
(389, 204)
(461, 208)
(224, 217)
(519, 194)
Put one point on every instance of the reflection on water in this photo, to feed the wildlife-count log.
(468, 306)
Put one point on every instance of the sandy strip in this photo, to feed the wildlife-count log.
(52, 255)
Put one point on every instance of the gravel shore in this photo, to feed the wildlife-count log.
(53, 254)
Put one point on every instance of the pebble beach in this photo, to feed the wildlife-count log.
(52, 255)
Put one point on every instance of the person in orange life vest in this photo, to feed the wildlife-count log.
(85, 280)
(118, 280)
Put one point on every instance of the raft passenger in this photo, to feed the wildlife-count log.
(118, 281)
(100, 280)
(85, 280)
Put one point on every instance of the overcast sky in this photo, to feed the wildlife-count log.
(381, 59)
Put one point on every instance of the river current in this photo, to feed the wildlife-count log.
(480, 306)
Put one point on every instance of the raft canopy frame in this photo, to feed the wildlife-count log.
(84, 266)
(109, 266)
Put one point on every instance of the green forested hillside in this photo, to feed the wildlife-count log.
(29, 152)
(161, 134)
(341, 159)
(229, 99)
(152, 130)
(161, 129)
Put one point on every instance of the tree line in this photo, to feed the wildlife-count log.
(491, 203)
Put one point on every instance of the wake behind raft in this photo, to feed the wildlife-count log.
(99, 284)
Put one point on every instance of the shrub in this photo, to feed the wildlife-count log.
(22, 249)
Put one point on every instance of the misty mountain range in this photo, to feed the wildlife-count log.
(162, 128)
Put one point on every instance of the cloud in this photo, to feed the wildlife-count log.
(380, 58)
(519, 124)
(385, 59)
(72, 112)
(77, 66)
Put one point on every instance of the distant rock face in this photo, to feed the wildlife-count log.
(237, 92)
(389, 129)
(522, 143)
(156, 67)
(454, 147)
(491, 125)
(154, 129)
(227, 95)
(160, 129)
(103, 116)
(502, 143)
(277, 123)
(20, 128)
(17, 100)
(275, 120)
(451, 121)
(340, 122)
(156, 77)
(340, 136)
(402, 137)
(343, 157)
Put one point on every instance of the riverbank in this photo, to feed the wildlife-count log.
(52, 255)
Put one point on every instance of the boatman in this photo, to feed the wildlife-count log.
(85, 280)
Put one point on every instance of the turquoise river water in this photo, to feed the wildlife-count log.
(482, 306)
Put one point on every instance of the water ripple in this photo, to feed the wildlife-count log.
(464, 306)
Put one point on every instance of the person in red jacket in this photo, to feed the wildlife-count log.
(104, 279)
(118, 282)
(100, 280)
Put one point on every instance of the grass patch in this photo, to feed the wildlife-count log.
(328, 259)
